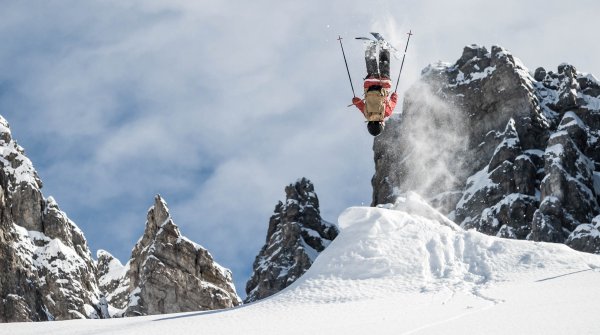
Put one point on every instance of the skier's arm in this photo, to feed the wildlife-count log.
(391, 104)
(356, 101)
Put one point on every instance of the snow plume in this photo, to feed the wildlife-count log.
(435, 142)
(388, 27)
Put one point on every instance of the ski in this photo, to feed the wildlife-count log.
(385, 44)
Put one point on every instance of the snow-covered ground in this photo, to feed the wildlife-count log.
(404, 269)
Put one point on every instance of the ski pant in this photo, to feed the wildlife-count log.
(379, 68)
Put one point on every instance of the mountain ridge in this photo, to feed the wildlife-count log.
(48, 272)
(502, 149)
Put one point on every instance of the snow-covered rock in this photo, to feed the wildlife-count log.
(499, 149)
(168, 273)
(296, 235)
(46, 268)
(113, 281)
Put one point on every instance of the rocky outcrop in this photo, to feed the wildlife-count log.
(113, 281)
(168, 273)
(499, 149)
(46, 268)
(296, 235)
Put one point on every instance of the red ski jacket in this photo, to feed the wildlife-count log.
(386, 84)
(390, 104)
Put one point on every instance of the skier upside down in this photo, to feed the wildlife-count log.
(378, 103)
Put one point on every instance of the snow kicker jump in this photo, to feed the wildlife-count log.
(378, 104)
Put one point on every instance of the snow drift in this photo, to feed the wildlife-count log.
(404, 269)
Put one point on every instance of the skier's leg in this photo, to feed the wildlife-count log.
(371, 59)
(384, 62)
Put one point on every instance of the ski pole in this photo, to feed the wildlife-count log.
(402, 64)
(347, 70)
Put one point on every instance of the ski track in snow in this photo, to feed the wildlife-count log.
(401, 270)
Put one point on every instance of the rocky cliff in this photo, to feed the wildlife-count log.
(296, 235)
(168, 273)
(498, 148)
(46, 268)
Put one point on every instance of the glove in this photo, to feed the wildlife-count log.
(356, 100)
(394, 97)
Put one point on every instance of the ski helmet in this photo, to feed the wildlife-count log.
(375, 127)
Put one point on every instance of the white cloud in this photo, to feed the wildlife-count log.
(217, 105)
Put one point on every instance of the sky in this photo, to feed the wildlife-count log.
(218, 105)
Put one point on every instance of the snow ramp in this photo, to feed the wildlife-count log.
(409, 247)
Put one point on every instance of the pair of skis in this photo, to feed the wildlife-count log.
(384, 44)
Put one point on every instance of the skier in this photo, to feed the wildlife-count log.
(378, 103)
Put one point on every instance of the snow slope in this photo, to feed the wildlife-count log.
(404, 269)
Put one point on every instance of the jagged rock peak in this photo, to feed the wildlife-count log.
(5, 134)
(46, 269)
(18, 169)
(498, 148)
(168, 273)
(296, 235)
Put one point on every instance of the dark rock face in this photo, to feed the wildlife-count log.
(46, 268)
(296, 235)
(498, 149)
(168, 273)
